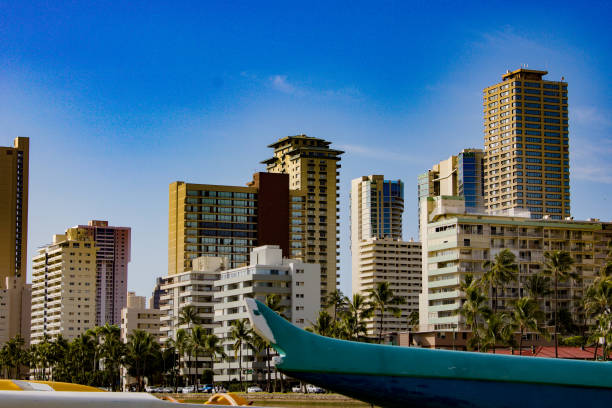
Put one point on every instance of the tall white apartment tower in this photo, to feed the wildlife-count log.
(378, 253)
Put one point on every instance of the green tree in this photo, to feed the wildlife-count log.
(213, 347)
(383, 300)
(558, 265)
(474, 309)
(358, 309)
(241, 334)
(189, 316)
(140, 351)
(538, 286)
(337, 301)
(324, 325)
(182, 346)
(501, 271)
(198, 345)
(525, 316)
(498, 329)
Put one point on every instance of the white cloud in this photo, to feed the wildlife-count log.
(280, 83)
(590, 115)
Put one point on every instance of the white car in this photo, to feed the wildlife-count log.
(189, 389)
(254, 389)
(313, 389)
(297, 388)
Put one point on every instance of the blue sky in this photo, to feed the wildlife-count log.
(119, 100)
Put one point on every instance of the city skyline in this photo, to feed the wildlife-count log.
(81, 117)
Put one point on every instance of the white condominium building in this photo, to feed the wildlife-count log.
(298, 285)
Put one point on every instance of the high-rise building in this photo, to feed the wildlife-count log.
(156, 294)
(377, 206)
(314, 172)
(14, 167)
(114, 248)
(14, 170)
(457, 242)
(460, 175)
(64, 286)
(527, 145)
(228, 221)
(378, 253)
(298, 285)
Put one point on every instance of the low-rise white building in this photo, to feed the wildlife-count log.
(137, 316)
(191, 288)
(297, 283)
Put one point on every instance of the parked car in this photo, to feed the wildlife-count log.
(206, 388)
(179, 389)
(313, 389)
(149, 388)
(188, 389)
(297, 388)
(254, 389)
(167, 389)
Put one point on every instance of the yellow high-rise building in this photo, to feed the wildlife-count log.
(64, 286)
(314, 171)
(14, 293)
(526, 145)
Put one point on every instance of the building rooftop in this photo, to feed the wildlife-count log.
(528, 73)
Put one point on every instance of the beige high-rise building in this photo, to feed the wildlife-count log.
(136, 316)
(14, 178)
(64, 286)
(378, 253)
(314, 171)
(527, 145)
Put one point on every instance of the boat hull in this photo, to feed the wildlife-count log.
(393, 376)
(393, 391)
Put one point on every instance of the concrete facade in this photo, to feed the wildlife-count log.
(314, 170)
(14, 180)
(136, 315)
(64, 286)
(457, 242)
(114, 254)
(296, 282)
(527, 145)
(191, 288)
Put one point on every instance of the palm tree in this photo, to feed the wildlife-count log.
(502, 270)
(337, 301)
(558, 264)
(241, 334)
(498, 329)
(182, 346)
(598, 306)
(358, 309)
(140, 347)
(382, 300)
(324, 325)
(525, 315)
(474, 308)
(198, 345)
(212, 346)
(413, 320)
(273, 301)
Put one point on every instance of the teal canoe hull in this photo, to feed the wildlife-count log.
(405, 376)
